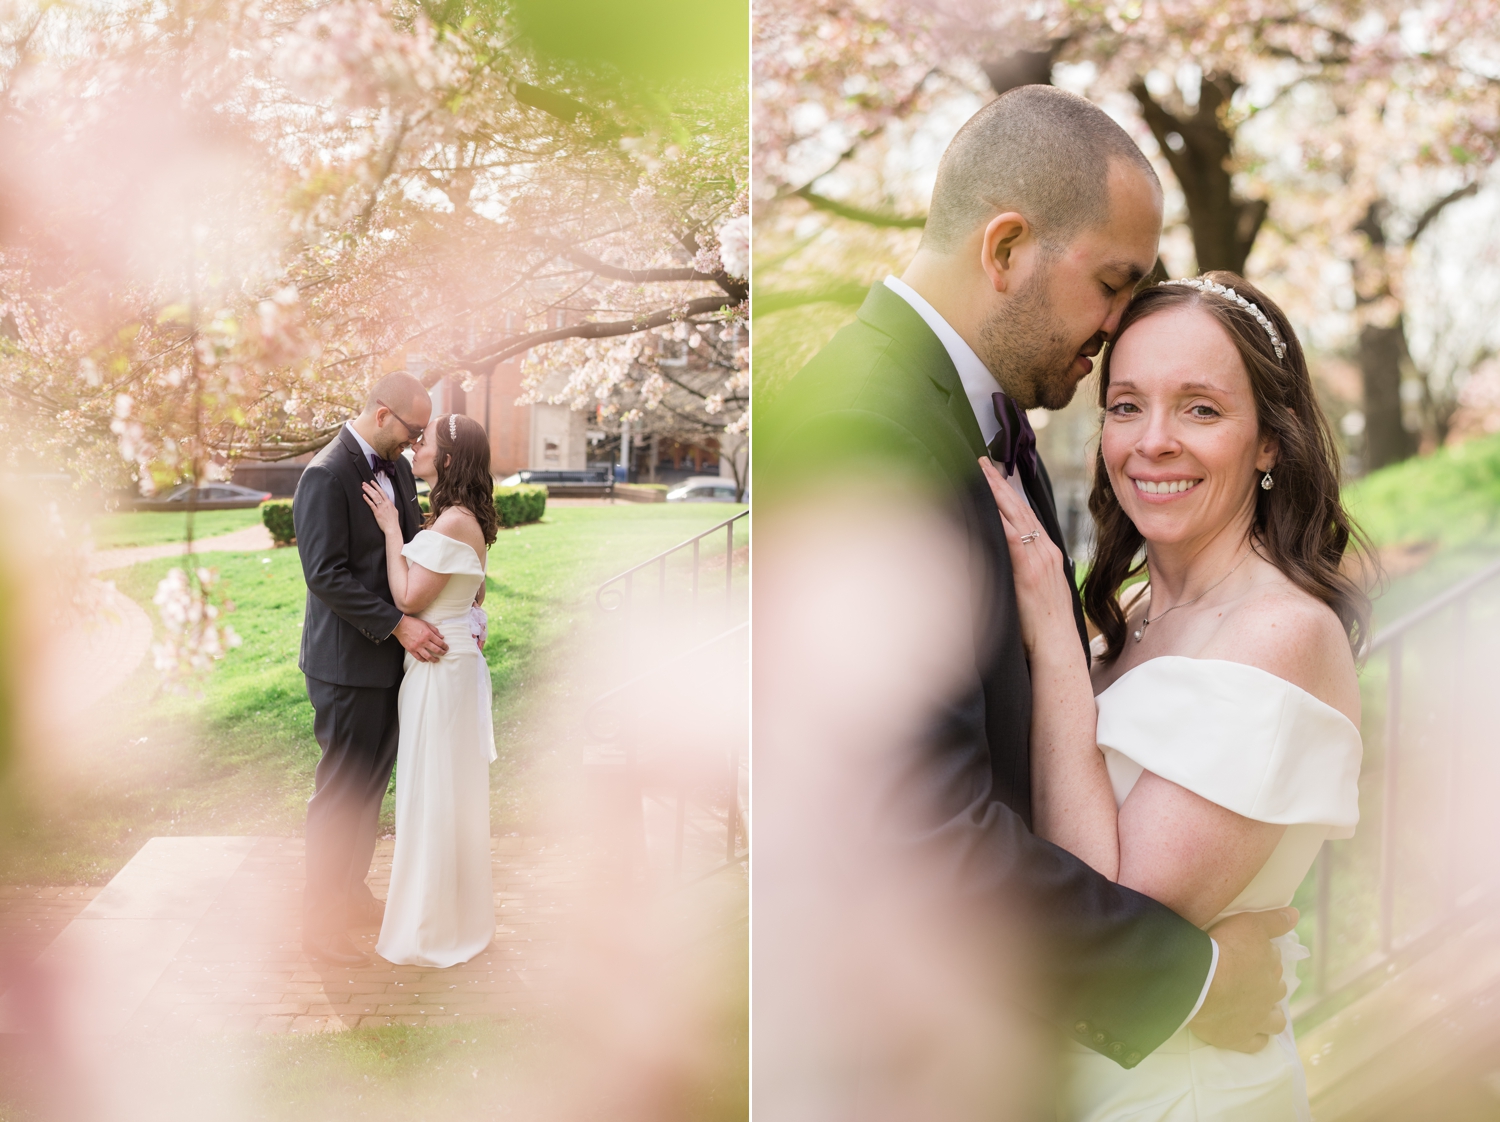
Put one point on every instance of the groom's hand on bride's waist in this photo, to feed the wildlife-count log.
(424, 642)
(1242, 1011)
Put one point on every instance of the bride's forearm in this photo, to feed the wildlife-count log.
(1072, 802)
(396, 570)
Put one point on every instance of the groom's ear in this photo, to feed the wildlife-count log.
(1002, 235)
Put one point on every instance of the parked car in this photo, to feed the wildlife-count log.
(209, 496)
(704, 489)
(589, 483)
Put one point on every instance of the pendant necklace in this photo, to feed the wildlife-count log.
(1140, 631)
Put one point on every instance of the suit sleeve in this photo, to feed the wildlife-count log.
(1122, 972)
(320, 515)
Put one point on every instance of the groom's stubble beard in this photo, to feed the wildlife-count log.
(387, 444)
(1027, 348)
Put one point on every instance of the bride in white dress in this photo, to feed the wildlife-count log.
(1223, 745)
(440, 910)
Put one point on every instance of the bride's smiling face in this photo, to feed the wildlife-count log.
(1181, 440)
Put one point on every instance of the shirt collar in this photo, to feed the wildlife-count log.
(979, 384)
(364, 445)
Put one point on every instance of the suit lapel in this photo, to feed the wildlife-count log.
(356, 453)
(402, 484)
(1039, 491)
(406, 501)
(917, 348)
(921, 350)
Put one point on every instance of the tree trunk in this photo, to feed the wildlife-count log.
(1381, 351)
(1023, 68)
(1224, 227)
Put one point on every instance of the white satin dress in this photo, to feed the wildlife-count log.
(440, 910)
(1265, 749)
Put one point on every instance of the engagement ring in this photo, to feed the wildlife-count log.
(1027, 539)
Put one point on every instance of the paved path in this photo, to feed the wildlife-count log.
(249, 539)
(203, 935)
(93, 656)
(30, 918)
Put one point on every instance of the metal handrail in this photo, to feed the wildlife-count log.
(629, 683)
(619, 597)
(617, 593)
(1390, 632)
(1323, 990)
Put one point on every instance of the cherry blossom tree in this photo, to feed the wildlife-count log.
(1265, 117)
(254, 206)
(217, 223)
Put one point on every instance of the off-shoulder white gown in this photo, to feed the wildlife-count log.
(440, 910)
(1260, 746)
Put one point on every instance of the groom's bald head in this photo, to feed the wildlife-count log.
(1035, 150)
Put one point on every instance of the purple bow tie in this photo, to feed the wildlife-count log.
(377, 465)
(1015, 443)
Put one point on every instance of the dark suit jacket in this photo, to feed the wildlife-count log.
(1123, 971)
(350, 614)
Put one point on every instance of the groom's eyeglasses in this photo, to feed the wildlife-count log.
(410, 428)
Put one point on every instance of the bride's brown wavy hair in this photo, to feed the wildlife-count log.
(463, 473)
(1300, 524)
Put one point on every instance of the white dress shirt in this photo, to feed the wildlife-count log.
(979, 387)
(386, 483)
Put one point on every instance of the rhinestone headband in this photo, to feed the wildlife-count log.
(1231, 294)
(453, 421)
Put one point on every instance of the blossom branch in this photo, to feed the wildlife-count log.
(494, 353)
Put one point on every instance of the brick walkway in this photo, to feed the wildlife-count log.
(251, 538)
(30, 918)
(241, 966)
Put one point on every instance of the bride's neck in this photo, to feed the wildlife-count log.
(1180, 571)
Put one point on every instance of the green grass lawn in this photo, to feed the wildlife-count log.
(1445, 506)
(155, 527)
(239, 757)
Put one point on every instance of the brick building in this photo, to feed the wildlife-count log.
(539, 436)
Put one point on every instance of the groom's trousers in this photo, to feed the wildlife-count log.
(357, 729)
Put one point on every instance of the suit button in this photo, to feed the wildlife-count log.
(1133, 1059)
(1100, 1038)
(1116, 1048)
(1081, 1028)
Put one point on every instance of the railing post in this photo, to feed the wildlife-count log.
(732, 816)
(681, 821)
(629, 608)
(1388, 811)
(1452, 767)
(729, 568)
(1323, 911)
(617, 595)
(1457, 727)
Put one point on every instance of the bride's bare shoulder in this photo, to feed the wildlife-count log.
(1285, 631)
(456, 522)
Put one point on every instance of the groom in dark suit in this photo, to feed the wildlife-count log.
(1044, 218)
(354, 641)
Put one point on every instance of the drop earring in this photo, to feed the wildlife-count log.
(1266, 482)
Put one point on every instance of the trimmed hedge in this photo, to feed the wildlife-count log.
(519, 505)
(277, 515)
(515, 506)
